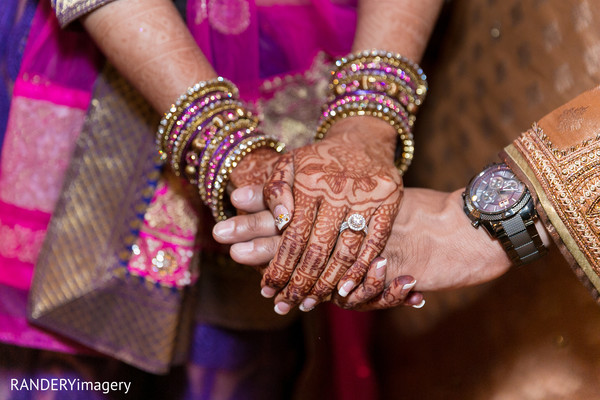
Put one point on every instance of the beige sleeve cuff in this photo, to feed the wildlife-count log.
(69, 10)
(559, 159)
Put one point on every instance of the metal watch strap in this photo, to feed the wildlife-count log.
(521, 239)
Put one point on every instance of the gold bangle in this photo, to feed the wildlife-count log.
(235, 155)
(411, 68)
(362, 108)
(209, 117)
(184, 101)
(222, 134)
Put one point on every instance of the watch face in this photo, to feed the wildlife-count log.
(496, 190)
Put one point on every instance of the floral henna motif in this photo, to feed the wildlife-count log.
(316, 253)
(375, 242)
(275, 185)
(343, 257)
(255, 168)
(292, 243)
(331, 180)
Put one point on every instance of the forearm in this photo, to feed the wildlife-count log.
(149, 43)
(402, 26)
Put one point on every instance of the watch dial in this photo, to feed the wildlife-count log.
(496, 190)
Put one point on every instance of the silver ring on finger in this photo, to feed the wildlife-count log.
(356, 223)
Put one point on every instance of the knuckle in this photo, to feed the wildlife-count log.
(344, 256)
(322, 288)
(274, 278)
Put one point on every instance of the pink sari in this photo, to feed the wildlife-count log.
(274, 39)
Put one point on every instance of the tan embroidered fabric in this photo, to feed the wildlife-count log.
(69, 10)
(106, 190)
(560, 157)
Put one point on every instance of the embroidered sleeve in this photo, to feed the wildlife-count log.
(559, 158)
(69, 10)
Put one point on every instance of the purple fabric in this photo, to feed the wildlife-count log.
(266, 362)
(14, 33)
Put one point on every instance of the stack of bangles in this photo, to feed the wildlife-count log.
(204, 136)
(379, 84)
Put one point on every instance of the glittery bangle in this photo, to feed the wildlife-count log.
(389, 62)
(231, 160)
(375, 82)
(205, 158)
(380, 84)
(218, 115)
(379, 106)
(189, 117)
(186, 100)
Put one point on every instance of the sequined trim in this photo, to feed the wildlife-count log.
(164, 249)
(291, 103)
(69, 10)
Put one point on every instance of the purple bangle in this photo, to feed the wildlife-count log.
(225, 115)
(216, 161)
(352, 102)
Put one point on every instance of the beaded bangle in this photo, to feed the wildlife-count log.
(379, 84)
(231, 160)
(184, 102)
(205, 134)
(391, 63)
(215, 116)
(211, 149)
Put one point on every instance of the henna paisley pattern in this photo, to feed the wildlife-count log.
(329, 181)
(255, 168)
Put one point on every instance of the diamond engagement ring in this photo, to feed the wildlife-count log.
(356, 223)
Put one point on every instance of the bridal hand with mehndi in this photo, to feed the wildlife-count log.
(321, 186)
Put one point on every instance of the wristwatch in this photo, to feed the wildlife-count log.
(502, 204)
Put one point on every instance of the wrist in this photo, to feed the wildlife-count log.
(376, 136)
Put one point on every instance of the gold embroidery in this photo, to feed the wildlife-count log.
(294, 103)
(570, 180)
(594, 209)
(69, 10)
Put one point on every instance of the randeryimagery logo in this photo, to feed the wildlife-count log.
(63, 384)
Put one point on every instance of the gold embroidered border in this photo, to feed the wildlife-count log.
(567, 199)
(69, 10)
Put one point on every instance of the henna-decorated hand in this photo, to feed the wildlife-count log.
(431, 240)
(255, 238)
(434, 241)
(350, 172)
(254, 169)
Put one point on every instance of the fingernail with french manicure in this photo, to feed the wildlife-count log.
(282, 308)
(420, 305)
(224, 229)
(379, 269)
(410, 285)
(267, 292)
(282, 216)
(308, 304)
(346, 288)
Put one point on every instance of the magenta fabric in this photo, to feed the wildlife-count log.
(247, 41)
(277, 39)
(56, 76)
